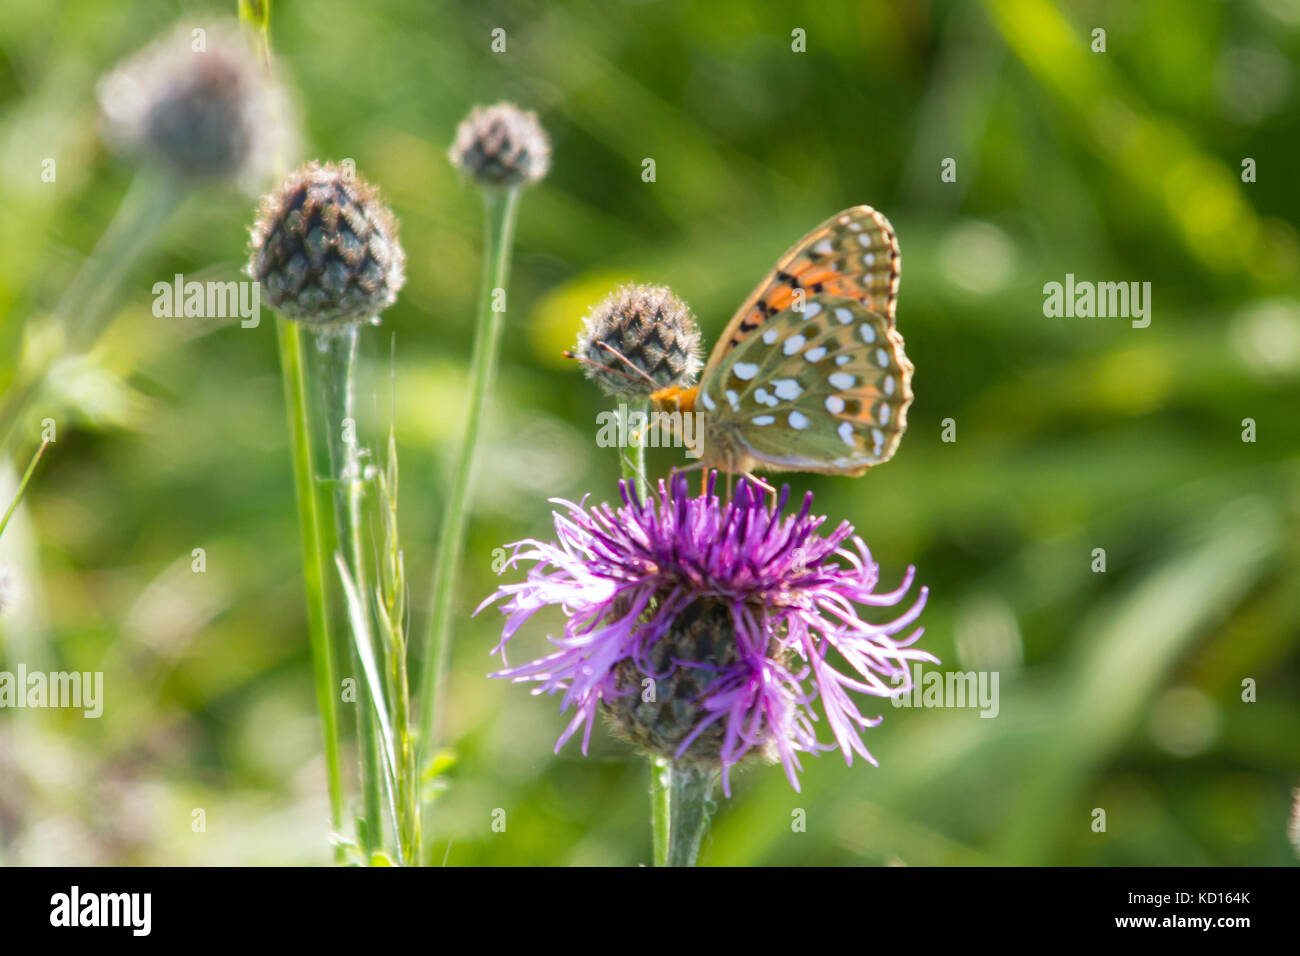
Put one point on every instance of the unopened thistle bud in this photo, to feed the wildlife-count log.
(325, 248)
(638, 340)
(198, 102)
(501, 145)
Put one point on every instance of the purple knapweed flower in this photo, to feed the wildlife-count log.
(706, 629)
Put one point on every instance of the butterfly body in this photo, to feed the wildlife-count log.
(722, 448)
(810, 374)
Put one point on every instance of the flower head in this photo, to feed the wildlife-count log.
(648, 327)
(325, 248)
(705, 630)
(197, 102)
(501, 145)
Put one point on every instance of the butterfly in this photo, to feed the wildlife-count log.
(810, 373)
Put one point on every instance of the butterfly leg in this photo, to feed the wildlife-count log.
(675, 471)
(755, 480)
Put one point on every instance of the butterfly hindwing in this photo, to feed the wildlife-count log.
(824, 389)
(853, 254)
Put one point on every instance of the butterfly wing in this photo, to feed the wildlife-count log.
(825, 390)
(852, 254)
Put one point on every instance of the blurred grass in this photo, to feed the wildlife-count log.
(1072, 434)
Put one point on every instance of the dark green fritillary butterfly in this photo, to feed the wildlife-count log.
(810, 374)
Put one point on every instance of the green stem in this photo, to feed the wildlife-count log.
(391, 604)
(337, 354)
(408, 776)
(661, 793)
(22, 486)
(631, 458)
(315, 560)
(681, 800)
(78, 319)
(500, 208)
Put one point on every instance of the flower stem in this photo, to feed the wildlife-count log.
(500, 208)
(661, 796)
(22, 486)
(631, 458)
(681, 807)
(337, 353)
(315, 562)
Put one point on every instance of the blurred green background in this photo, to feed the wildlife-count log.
(1119, 690)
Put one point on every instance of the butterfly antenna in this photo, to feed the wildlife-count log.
(640, 372)
(568, 354)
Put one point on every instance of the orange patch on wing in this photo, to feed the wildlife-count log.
(816, 274)
(845, 286)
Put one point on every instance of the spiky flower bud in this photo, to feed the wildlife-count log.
(638, 339)
(501, 145)
(197, 102)
(325, 248)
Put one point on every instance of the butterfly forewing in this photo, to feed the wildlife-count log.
(853, 254)
(825, 388)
